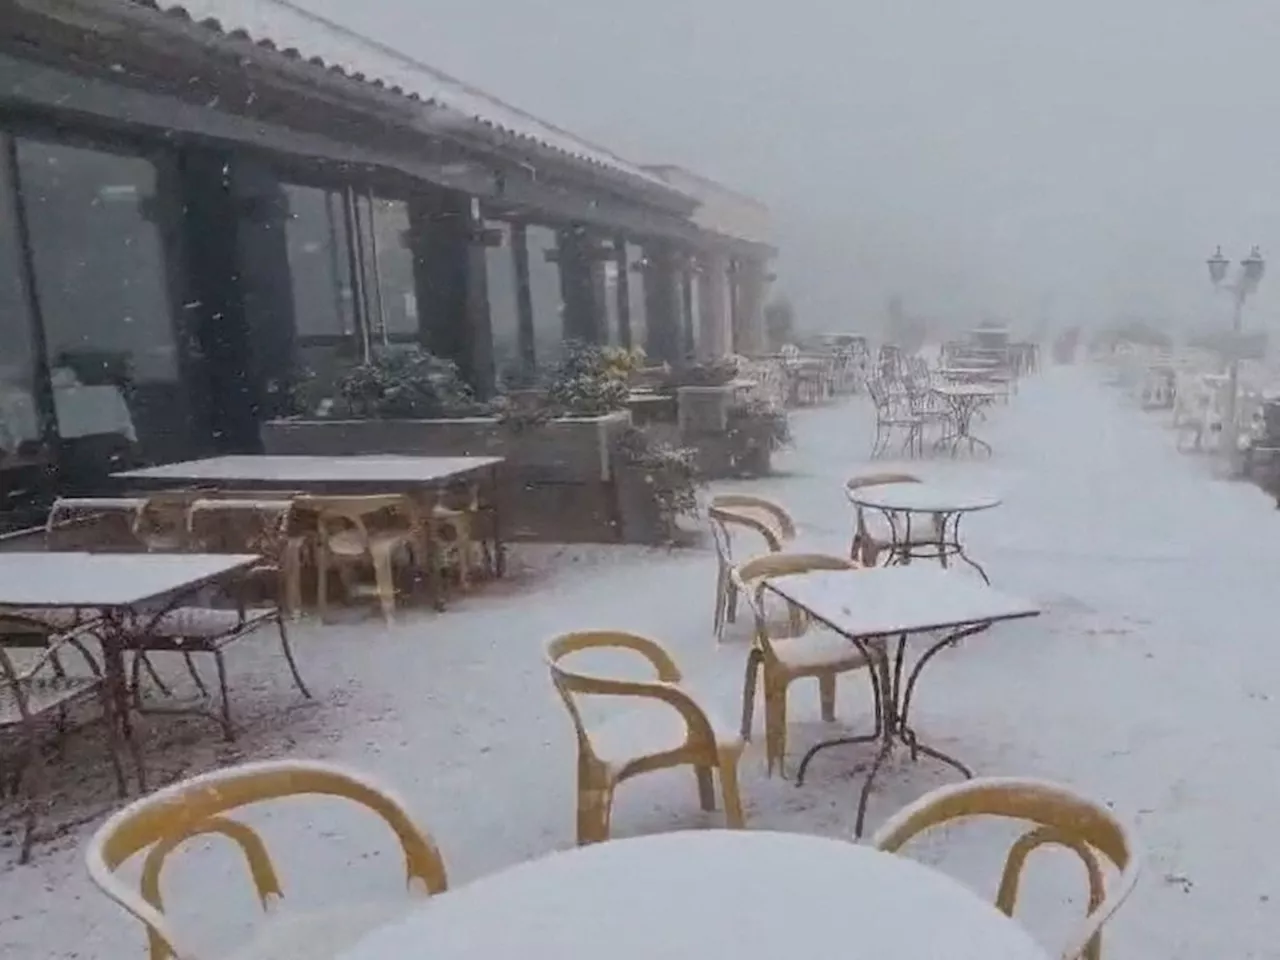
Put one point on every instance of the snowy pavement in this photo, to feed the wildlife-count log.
(1148, 682)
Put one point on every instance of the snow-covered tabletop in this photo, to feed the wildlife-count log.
(387, 469)
(107, 580)
(881, 601)
(705, 895)
(922, 498)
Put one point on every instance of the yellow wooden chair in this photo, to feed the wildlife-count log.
(791, 650)
(453, 525)
(161, 525)
(733, 513)
(680, 731)
(163, 821)
(365, 531)
(872, 533)
(1061, 817)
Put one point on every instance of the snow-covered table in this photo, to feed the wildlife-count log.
(868, 607)
(902, 504)
(111, 585)
(965, 399)
(746, 895)
(383, 473)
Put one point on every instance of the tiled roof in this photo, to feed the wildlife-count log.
(296, 33)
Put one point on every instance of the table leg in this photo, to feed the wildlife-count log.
(113, 650)
(495, 496)
(893, 706)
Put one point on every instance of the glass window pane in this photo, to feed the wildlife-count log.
(326, 339)
(544, 289)
(395, 291)
(504, 316)
(101, 281)
(19, 417)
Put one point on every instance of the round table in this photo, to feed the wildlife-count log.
(901, 502)
(704, 895)
(964, 399)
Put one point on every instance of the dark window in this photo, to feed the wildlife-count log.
(391, 294)
(500, 281)
(19, 412)
(102, 284)
(544, 289)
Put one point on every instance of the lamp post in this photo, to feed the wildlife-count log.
(1246, 283)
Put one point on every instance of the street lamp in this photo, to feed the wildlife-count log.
(1252, 268)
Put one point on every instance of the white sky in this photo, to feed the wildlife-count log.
(990, 156)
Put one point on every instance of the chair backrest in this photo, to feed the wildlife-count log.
(337, 514)
(571, 684)
(877, 480)
(768, 518)
(750, 578)
(161, 524)
(1061, 817)
(161, 822)
(241, 524)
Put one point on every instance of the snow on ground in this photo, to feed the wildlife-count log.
(1148, 683)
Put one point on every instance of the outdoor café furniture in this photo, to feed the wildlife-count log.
(93, 522)
(730, 514)
(694, 895)
(198, 808)
(894, 415)
(423, 478)
(46, 672)
(255, 522)
(378, 532)
(891, 605)
(964, 399)
(873, 532)
(664, 725)
(130, 593)
(923, 519)
(1058, 816)
(789, 649)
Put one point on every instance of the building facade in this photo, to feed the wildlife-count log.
(206, 209)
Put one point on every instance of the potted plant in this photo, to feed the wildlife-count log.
(657, 483)
(757, 427)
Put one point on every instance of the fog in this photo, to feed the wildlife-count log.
(1059, 161)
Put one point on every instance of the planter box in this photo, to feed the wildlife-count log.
(568, 450)
(639, 519)
(559, 477)
(703, 410)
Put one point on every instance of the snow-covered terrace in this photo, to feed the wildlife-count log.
(1148, 683)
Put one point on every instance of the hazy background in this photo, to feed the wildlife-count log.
(1011, 157)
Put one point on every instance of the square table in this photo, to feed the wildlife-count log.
(871, 605)
(113, 585)
(384, 472)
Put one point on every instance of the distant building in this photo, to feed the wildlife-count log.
(199, 204)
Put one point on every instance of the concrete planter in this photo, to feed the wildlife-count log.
(566, 450)
(639, 518)
(703, 410)
(560, 476)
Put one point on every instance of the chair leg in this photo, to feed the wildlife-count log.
(322, 582)
(827, 696)
(228, 731)
(385, 581)
(594, 802)
(729, 788)
(754, 660)
(721, 607)
(706, 788)
(775, 725)
(37, 790)
(195, 674)
(288, 656)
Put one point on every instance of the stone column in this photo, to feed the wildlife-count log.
(715, 337)
(581, 286)
(752, 284)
